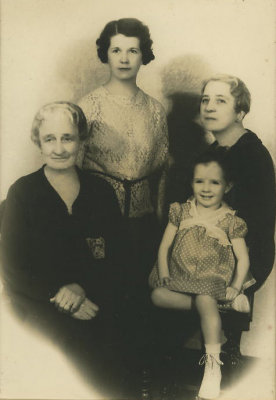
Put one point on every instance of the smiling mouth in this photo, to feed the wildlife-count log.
(124, 69)
(210, 118)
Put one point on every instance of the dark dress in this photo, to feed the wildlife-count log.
(253, 196)
(44, 248)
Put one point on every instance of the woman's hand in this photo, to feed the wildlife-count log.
(86, 311)
(69, 298)
(231, 293)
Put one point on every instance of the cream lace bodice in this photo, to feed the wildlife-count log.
(128, 136)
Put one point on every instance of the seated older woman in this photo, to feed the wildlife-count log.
(60, 238)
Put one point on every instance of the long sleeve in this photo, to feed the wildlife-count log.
(253, 196)
(19, 273)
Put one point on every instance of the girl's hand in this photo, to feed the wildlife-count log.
(69, 298)
(166, 281)
(231, 293)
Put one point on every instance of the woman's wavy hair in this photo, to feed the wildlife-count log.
(74, 113)
(238, 90)
(128, 27)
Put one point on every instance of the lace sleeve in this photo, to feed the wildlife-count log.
(89, 106)
(238, 228)
(159, 124)
(175, 212)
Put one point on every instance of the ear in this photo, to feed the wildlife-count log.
(228, 187)
(240, 116)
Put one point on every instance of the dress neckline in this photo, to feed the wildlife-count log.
(69, 210)
(120, 98)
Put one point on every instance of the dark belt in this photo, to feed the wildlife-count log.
(127, 183)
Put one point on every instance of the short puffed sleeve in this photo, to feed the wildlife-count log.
(238, 228)
(175, 213)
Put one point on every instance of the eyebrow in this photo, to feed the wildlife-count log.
(216, 95)
(129, 48)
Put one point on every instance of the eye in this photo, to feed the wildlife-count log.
(68, 138)
(115, 50)
(215, 182)
(220, 101)
(204, 100)
(48, 139)
(134, 51)
(198, 180)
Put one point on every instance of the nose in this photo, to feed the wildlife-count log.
(59, 148)
(124, 57)
(210, 106)
(206, 187)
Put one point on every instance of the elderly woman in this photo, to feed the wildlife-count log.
(60, 239)
(128, 146)
(224, 104)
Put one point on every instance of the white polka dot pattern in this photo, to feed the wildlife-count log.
(198, 263)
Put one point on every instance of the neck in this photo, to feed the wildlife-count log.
(124, 88)
(230, 136)
(58, 173)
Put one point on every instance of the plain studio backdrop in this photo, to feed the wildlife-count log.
(48, 53)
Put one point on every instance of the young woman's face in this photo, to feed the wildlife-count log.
(217, 109)
(209, 185)
(124, 57)
(59, 141)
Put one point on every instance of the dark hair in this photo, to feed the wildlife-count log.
(214, 154)
(238, 90)
(127, 27)
(73, 111)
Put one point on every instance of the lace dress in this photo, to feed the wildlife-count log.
(128, 146)
(202, 260)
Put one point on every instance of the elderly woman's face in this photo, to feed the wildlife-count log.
(124, 57)
(59, 141)
(217, 109)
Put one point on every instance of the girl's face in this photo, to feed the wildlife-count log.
(217, 109)
(124, 57)
(59, 141)
(209, 185)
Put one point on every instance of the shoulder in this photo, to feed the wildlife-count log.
(98, 189)
(26, 185)
(92, 97)
(251, 147)
(154, 103)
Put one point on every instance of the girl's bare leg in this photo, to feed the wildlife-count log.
(209, 318)
(165, 298)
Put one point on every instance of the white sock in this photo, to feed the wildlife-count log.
(213, 349)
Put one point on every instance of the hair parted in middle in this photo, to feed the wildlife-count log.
(131, 27)
(238, 90)
(74, 113)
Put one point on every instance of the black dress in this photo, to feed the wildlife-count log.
(253, 196)
(43, 248)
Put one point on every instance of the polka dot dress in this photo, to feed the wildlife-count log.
(200, 262)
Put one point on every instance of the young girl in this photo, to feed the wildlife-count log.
(196, 259)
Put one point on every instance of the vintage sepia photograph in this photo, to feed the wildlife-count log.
(137, 199)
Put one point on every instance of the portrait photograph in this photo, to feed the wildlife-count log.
(137, 199)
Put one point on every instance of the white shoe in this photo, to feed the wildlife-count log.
(210, 385)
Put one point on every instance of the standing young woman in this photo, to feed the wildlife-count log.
(128, 147)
